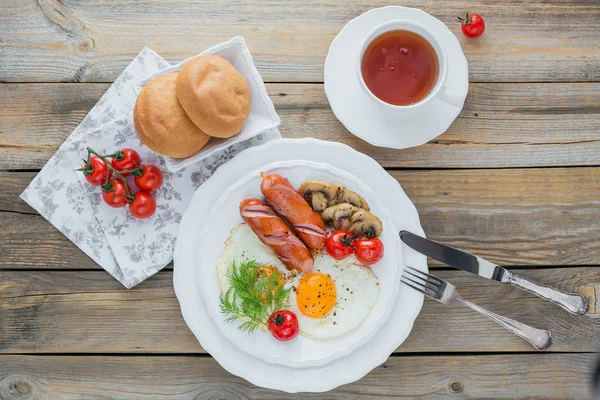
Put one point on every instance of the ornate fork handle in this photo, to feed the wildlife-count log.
(539, 338)
(574, 303)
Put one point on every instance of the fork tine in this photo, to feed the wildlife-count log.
(417, 289)
(420, 272)
(422, 286)
(435, 278)
(434, 284)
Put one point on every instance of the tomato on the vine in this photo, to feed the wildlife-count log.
(151, 178)
(143, 205)
(126, 160)
(472, 25)
(95, 171)
(339, 244)
(110, 172)
(283, 325)
(115, 193)
(368, 250)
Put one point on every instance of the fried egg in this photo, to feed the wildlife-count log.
(334, 298)
(330, 301)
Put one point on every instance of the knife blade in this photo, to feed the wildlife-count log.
(572, 302)
(454, 257)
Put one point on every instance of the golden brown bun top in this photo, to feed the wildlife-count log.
(161, 122)
(214, 95)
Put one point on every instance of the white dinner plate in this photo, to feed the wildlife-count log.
(224, 216)
(275, 376)
(366, 118)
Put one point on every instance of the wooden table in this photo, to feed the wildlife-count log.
(516, 179)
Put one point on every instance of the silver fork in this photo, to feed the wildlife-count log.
(444, 292)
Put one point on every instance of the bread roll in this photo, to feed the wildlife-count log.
(214, 95)
(161, 122)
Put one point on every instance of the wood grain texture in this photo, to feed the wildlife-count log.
(75, 41)
(520, 112)
(89, 312)
(549, 376)
(12, 185)
(29, 241)
(34, 123)
(514, 216)
(545, 216)
(501, 125)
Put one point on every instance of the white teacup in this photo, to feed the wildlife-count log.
(439, 90)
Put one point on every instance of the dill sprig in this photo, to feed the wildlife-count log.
(252, 296)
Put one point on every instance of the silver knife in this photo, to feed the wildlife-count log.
(572, 302)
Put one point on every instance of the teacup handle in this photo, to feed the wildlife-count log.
(448, 97)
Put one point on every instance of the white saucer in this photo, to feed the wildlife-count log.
(276, 376)
(364, 117)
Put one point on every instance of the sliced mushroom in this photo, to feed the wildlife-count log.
(350, 196)
(318, 194)
(365, 224)
(340, 215)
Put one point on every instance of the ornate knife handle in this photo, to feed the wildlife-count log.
(539, 338)
(574, 303)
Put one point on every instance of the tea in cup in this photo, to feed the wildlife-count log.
(403, 65)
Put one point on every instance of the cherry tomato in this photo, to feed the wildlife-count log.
(368, 251)
(95, 171)
(126, 160)
(472, 25)
(339, 244)
(151, 178)
(283, 325)
(115, 194)
(143, 205)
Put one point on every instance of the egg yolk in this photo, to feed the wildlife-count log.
(268, 271)
(315, 295)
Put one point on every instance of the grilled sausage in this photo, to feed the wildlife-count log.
(275, 233)
(288, 203)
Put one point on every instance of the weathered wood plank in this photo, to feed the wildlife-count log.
(539, 376)
(94, 41)
(502, 125)
(89, 312)
(12, 185)
(546, 216)
(29, 241)
(34, 123)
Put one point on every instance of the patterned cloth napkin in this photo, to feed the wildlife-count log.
(130, 250)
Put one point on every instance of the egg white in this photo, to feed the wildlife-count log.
(357, 287)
